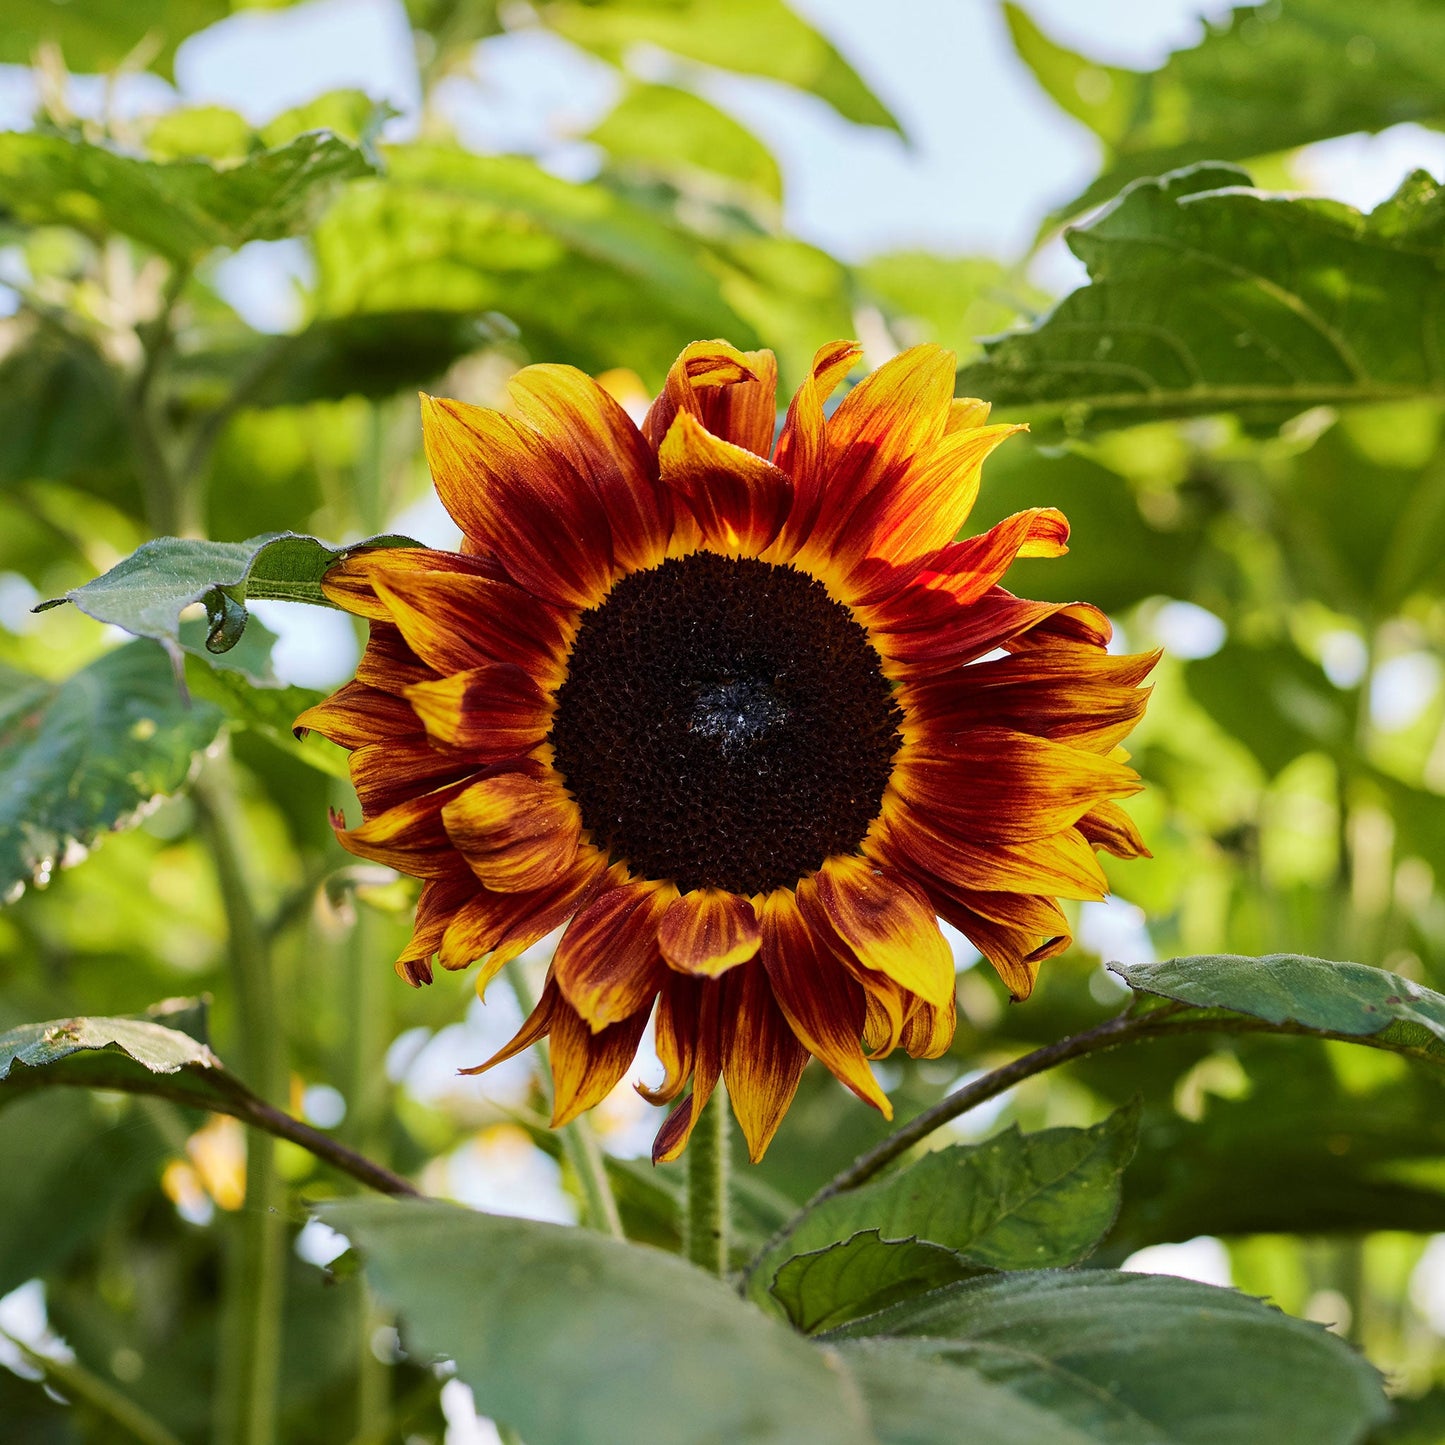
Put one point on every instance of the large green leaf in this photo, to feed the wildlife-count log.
(1207, 296)
(146, 592)
(85, 755)
(560, 1331)
(99, 34)
(153, 1045)
(1095, 1356)
(1311, 995)
(1266, 78)
(754, 37)
(586, 275)
(179, 208)
(1016, 1201)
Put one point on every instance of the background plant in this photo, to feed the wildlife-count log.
(1240, 411)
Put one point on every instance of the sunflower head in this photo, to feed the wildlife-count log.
(746, 717)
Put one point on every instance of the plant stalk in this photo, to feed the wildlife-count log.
(705, 1235)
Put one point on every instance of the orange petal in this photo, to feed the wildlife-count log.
(409, 837)
(538, 913)
(492, 713)
(600, 441)
(888, 926)
(967, 569)
(822, 1002)
(762, 1059)
(674, 1030)
(454, 622)
(439, 902)
(535, 1027)
(709, 931)
(516, 832)
(995, 785)
(388, 663)
(677, 1128)
(1106, 825)
(1013, 932)
(738, 500)
(356, 714)
(801, 451)
(929, 1030)
(351, 582)
(385, 774)
(608, 964)
(702, 368)
(587, 1066)
(517, 498)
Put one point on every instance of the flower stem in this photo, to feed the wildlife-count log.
(705, 1236)
(256, 1267)
(579, 1141)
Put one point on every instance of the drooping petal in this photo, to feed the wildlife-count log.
(708, 931)
(517, 832)
(1106, 825)
(439, 902)
(674, 1031)
(821, 1000)
(608, 964)
(600, 441)
(538, 913)
(356, 714)
(535, 1027)
(707, 1068)
(886, 924)
(801, 451)
(408, 837)
(996, 785)
(492, 713)
(587, 1066)
(518, 499)
(762, 1059)
(929, 1030)
(737, 499)
(1015, 933)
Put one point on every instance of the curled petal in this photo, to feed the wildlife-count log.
(409, 837)
(517, 833)
(599, 440)
(492, 713)
(929, 1030)
(822, 1002)
(677, 1128)
(356, 714)
(762, 1059)
(675, 1029)
(587, 1066)
(702, 367)
(965, 413)
(608, 964)
(967, 569)
(887, 925)
(1106, 825)
(516, 497)
(535, 1027)
(738, 500)
(1015, 933)
(709, 931)
(440, 899)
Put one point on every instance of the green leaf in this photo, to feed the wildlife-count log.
(1312, 995)
(587, 276)
(857, 1276)
(85, 755)
(147, 591)
(1118, 1359)
(155, 1047)
(753, 37)
(1264, 79)
(634, 1342)
(101, 33)
(180, 208)
(1206, 296)
(1016, 1201)
(658, 129)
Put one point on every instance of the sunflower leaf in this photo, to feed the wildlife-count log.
(146, 592)
(658, 1350)
(180, 208)
(1207, 296)
(88, 754)
(1016, 1201)
(1295, 994)
(1058, 1358)
(857, 1276)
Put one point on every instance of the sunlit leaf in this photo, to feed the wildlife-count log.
(1206, 296)
(180, 208)
(147, 591)
(86, 755)
(1119, 1359)
(755, 37)
(1016, 1201)
(101, 33)
(514, 1302)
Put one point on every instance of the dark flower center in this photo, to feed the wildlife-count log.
(724, 723)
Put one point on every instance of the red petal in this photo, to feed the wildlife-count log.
(608, 964)
(517, 833)
(762, 1059)
(490, 713)
(709, 931)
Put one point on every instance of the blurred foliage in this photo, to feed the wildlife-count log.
(1242, 413)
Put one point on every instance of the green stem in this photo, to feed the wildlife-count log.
(705, 1236)
(256, 1267)
(579, 1140)
(73, 1380)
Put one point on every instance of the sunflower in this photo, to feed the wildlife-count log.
(745, 717)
